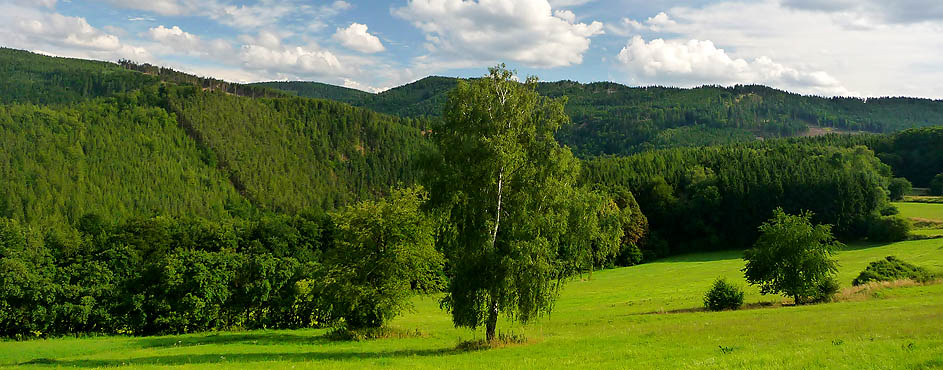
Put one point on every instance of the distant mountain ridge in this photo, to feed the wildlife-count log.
(610, 118)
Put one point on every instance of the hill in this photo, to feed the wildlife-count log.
(127, 140)
(610, 118)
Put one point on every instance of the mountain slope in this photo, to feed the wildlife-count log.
(610, 118)
(126, 140)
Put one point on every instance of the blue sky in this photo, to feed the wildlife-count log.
(839, 47)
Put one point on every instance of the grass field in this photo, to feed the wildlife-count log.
(609, 320)
(933, 211)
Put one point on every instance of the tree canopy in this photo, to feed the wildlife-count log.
(504, 186)
(792, 256)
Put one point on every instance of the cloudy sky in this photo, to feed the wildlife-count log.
(838, 47)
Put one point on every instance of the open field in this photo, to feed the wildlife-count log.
(932, 211)
(602, 321)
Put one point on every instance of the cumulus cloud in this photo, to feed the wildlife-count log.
(869, 57)
(698, 62)
(174, 37)
(61, 30)
(487, 31)
(357, 38)
(266, 52)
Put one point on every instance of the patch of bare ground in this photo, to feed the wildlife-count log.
(867, 291)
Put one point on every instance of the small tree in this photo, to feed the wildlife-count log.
(723, 296)
(384, 253)
(898, 188)
(792, 256)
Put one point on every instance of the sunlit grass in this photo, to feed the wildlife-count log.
(603, 320)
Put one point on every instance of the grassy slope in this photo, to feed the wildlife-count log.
(598, 322)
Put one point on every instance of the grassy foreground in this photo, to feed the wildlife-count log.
(606, 320)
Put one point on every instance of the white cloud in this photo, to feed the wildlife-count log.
(870, 57)
(162, 7)
(897, 11)
(357, 38)
(660, 22)
(61, 30)
(51, 4)
(266, 52)
(568, 3)
(174, 37)
(625, 27)
(487, 31)
(697, 62)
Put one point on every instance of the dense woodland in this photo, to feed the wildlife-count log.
(137, 199)
(610, 118)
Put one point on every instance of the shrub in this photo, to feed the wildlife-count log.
(888, 229)
(826, 290)
(898, 188)
(891, 269)
(936, 185)
(723, 296)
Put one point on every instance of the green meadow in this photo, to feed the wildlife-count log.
(644, 317)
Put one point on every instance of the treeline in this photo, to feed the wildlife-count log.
(157, 275)
(207, 83)
(714, 198)
(38, 79)
(915, 154)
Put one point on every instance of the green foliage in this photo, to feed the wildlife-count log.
(291, 154)
(891, 269)
(936, 185)
(117, 158)
(385, 253)
(317, 90)
(162, 275)
(825, 290)
(610, 118)
(889, 229)
(714, 198)
(723, 295)
(898, 187)
(792, 256)
(40, 79)
(503, 185)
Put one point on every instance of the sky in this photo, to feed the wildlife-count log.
(863, 48)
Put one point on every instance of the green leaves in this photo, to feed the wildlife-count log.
(385, 253)
(514, 222)
(792, 256)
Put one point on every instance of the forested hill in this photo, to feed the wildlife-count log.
(610, 118)
(82, 137)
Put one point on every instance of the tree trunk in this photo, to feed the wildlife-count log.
(497, 214)
(492, 322)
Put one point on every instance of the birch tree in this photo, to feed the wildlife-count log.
(503, 185)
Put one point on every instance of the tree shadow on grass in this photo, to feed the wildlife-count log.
(232, 338)
(234, 359)
(703, 257)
